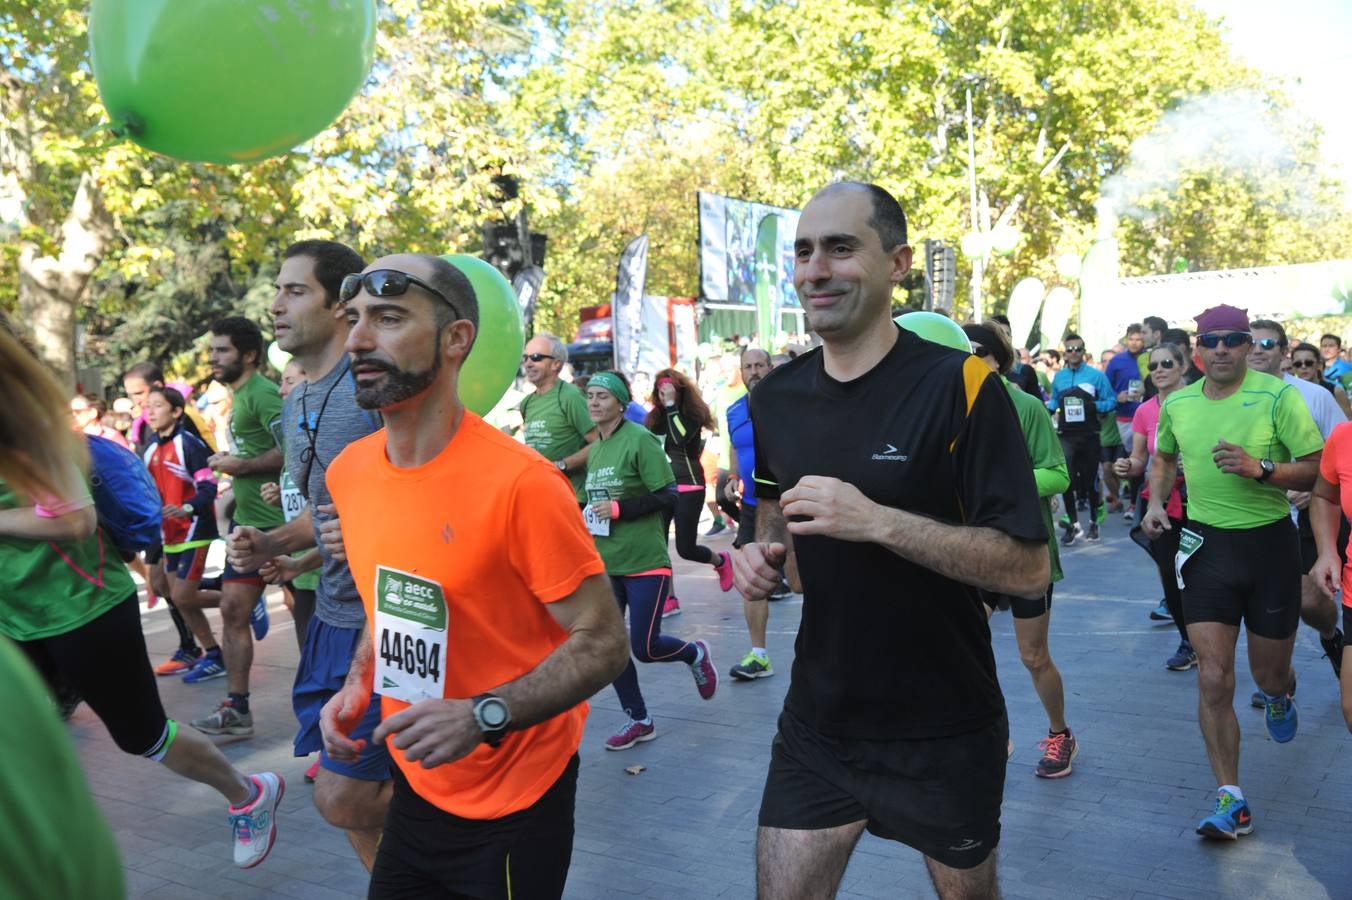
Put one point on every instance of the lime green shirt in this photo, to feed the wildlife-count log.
(1109, 436)
(630, 463)
(255, 427)
(1266, 416)
(555, 424)
(1049, 462)
(43, 594)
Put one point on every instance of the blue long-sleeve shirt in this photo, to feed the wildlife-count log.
(1122, 370)
(1105, 398)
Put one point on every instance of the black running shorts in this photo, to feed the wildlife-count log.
(940, 796)
(1245, 574)
(1022, 607)
(427, 852)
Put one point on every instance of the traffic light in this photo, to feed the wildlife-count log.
(941, 275)
(508, 245)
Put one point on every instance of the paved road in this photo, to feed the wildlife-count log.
(1120, 826)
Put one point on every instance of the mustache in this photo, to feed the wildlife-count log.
(372, 362)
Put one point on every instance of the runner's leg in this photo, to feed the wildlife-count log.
(1214, 643)
(1037, 659)
(798, 864)
(961, 884)
(356, 806)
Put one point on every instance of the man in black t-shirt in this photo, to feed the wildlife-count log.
(899, 467)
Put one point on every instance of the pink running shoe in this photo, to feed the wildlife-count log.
(706, 676)
(254, 825)
(632, 733)
(671, 608)
(312, 773)
(724, 570)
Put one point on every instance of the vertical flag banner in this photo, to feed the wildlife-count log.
(767, 281)
(1056, 316)
(1024, 303)
(627, 307)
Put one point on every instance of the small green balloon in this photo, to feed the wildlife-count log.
(496, 356)
(228, 82)
(278, 357)
(936, 328)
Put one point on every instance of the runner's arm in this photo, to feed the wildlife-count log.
(574, 461)
(1163, 470)
(24, 522)
(267, 463)
(1325, 515)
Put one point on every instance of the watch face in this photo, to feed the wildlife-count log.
(493, 713)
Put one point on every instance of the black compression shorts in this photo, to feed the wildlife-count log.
(1245, 574)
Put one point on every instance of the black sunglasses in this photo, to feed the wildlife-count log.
(1232, 340)
(387, 283)
(1074, 349)
(536, 357)
(1303, 364)
(1164, 363)
(1266, 343)
(980, 352)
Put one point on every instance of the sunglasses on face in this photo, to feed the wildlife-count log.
(980, 352)
(1074, 349)
(1162, 364)
(1266, 343)
(1232, 340)
(536, 357)
(387, 283)
(1303, 364)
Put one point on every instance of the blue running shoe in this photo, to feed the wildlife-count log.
(1280, 717)
(208, 667)
(1231, 818)
(259, 618)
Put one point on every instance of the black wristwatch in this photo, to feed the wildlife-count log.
(1268, 467)
(492, 717)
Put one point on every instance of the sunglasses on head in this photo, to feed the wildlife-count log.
(387, 283)
(1266, 343)
(1074, 349)
(1162, 364)
(1232, 340)
(1303, 364)
(536, 357)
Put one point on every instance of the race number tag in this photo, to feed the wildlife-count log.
(1188, 543)
(596, 526)
(1074, 409)
(293, 504)
(410, 636)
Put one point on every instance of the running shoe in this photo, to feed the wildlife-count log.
(1280, 717)
(716, 529)
(180, 663)
(633, 732)
(1258, 702)
(752, 666)
(706, 676)
(1161, 613)
(1184, 658)
(312, 773)
(226, 720)
(1231, 818)
(1333, 649)
(208, 667)
(724, 569)
(259, 618)
(255, 825)
(1071, 529)
(1129, 515)
(1093, 532)
(783, 592)
(671, 608)
(1057, 752)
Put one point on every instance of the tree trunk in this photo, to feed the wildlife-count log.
(50, 287)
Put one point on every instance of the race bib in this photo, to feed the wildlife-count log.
(410, 636)
(1189, 542)
(293, 504)
(596, 525)
(1074, 409)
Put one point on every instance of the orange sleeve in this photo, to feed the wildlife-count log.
(547, 543)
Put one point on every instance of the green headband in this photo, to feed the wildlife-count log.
(609, 381)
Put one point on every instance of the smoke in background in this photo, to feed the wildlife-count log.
(1238, 133)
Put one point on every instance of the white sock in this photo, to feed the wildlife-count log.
(1233, 790)
(759, 651)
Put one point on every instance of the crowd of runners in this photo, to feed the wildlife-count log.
(460, 584)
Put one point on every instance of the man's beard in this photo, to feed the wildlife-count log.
(231, 372)
(399, 384)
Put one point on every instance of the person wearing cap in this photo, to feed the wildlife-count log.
(1032, 616)
(1248, 438)
(629, 488)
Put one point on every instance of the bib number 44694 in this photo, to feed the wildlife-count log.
(411, 624)
(414, 656)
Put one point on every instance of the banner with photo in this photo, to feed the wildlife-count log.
(627, 309)
(728, 231)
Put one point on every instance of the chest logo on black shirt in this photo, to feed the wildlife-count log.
(889, 452)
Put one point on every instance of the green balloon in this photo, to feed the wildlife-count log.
(228, 81)
(933, 327)
(496, 356)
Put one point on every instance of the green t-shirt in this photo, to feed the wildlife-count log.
(255, 427)
(630, 463)
(63, 847)
(1109, 436)
(1266, 416)
(555, 424)
(1044, 449)
(43, 595)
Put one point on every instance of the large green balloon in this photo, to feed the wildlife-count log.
(228, 81)
(933, 327)
(493, 363)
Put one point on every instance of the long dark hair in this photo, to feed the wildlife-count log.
(688, 402)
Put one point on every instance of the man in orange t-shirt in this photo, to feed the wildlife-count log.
(491, 620)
